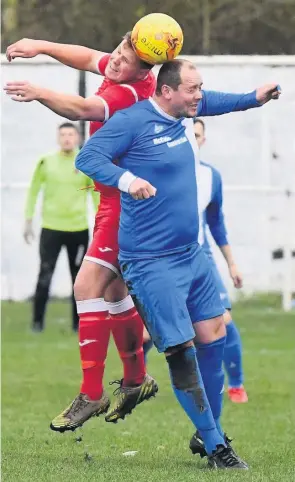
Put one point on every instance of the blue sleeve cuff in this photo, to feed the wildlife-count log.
(251, 100)
(221, 241)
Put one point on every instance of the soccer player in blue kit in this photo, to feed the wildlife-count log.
(165, 269)
(210, 200)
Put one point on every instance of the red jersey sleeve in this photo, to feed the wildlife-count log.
(117, 97)
(102, 63)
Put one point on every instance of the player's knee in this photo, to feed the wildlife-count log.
(85, 289)
(183, 368)
(185, 374)
(78, 289)
(208, 331)
(45, 275)
(173, 349)
(219, 329)
(91, 281)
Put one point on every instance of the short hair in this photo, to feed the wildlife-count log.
(197, 120)
(143, 64)
(169, 74)
(68, 125)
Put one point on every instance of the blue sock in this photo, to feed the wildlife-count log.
(233, 356)
(184, 370)
(146, 348)
(210, 358)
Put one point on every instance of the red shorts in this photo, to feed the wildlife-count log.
(104, 248)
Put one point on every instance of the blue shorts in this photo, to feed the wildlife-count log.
(223, 293)
(172, 292)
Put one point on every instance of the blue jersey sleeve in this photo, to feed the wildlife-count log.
(106, 145)
(218, 103)
(214, 213)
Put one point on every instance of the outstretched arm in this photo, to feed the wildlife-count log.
(218, 103)
(76, 56)
(74, 107)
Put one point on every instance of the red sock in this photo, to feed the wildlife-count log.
(94, 335)
(127, 330)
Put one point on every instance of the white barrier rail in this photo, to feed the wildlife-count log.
(289, 261)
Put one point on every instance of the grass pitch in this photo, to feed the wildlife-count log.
(41, 375)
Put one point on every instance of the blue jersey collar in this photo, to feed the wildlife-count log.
(161, 111)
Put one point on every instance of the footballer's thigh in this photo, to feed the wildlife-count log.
(116, 291)
(100, 266)
(204, 304)
(159, 290)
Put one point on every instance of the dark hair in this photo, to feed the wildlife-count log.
(169, 74)
(200, 121)
(68, 125)
(143, 64)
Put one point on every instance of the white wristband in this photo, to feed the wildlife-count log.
(125, 180)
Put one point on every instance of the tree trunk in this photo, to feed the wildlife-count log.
(206, 24)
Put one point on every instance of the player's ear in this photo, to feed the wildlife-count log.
(166, 92)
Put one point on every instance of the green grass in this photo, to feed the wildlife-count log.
(41, 374)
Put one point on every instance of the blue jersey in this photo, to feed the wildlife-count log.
(161, 149)
(209, 184)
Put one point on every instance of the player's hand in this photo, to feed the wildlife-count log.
(268, 92)
(28, 232)
(22, 91)
(235, 276)
(26, 48)
(141, 189)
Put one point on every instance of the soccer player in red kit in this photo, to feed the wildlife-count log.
(103, 303)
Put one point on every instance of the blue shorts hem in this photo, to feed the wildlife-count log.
(209, 315)
(165, 345)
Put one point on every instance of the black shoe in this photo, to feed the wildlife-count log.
(37, 327)
(225, 458)
(197, 445)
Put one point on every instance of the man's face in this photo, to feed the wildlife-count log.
(185, 100)
(124, 65)
(199, 133)
(68, 139)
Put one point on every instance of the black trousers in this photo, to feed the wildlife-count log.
(51, 242)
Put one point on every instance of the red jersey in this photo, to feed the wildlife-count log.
(116, 97)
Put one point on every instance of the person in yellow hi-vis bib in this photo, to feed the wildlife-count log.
(64, 216)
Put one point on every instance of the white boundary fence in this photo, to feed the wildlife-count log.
(255, 151)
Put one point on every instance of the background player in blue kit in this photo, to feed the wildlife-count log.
(211, 215)
(165, 269)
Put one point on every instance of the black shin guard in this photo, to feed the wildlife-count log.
(185, 374)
